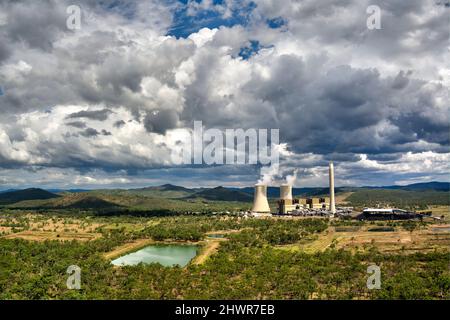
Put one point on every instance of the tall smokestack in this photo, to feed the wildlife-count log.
(332, 203)
(260, 203)
(286, 192)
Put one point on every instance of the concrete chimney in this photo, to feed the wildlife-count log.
(285, 192)
(260, 203)
(332, 202)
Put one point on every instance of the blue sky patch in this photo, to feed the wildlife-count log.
(276, 23)
(252, 49)
(185, 24)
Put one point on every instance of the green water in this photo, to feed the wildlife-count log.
(167, 255)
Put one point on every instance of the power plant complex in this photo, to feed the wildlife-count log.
(295, 206)
(321, 206)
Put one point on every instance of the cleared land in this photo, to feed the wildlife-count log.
(434, 237)
(47, 235)
(341, 198)
(127, 247)
(440, 211)
(209, 249)
(38, 222)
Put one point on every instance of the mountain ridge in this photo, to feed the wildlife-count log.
(220, 193)
(10, 197)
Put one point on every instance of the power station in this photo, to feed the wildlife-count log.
(322, 206)
(289, 205)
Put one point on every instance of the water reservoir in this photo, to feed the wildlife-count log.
(167, 255)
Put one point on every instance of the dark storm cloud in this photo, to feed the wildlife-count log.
(341, 157)
(385, 157)
(348, 110)
(100, 115)
(119, 124)
(425, 128)
(89, 132)
(37, 24)
(77, 124)
(5, 51)
(106, 133)
(401, 80)
(161, 121)
(120, 74)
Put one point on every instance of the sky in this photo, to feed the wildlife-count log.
(104, 105)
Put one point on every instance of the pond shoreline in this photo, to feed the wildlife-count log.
(135, 245)
(166, 254)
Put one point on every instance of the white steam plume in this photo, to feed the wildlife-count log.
(290, 179)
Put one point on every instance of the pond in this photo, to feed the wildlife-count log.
(167, 255)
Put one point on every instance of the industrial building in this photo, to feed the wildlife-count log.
(388, 214)
(286, 206)
(289, 205)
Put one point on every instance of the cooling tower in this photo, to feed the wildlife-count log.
(260, 203)
(285, 192)
(332, 203)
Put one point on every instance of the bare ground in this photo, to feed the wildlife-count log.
(209, 249)
(127, 247)
(48, 235)
(434, 237)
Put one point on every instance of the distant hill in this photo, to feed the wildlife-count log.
(163, 191)
(423, 186)
(7, 190)
(26, 194)
(161, 196)
(222, 194)
(67, 190)
(91, 203)
(274, 192)
(166, 187)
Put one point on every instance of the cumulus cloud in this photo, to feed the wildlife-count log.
(112, 95)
